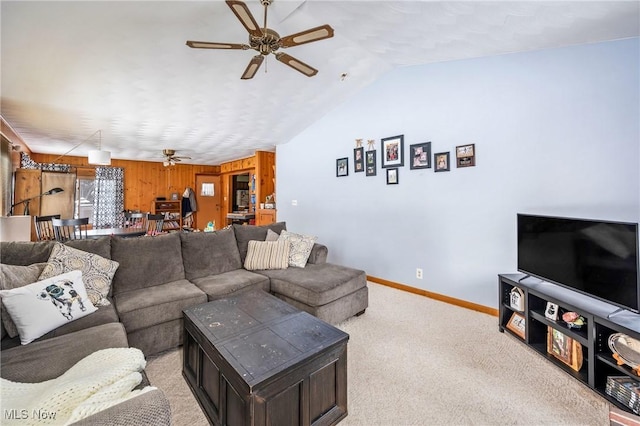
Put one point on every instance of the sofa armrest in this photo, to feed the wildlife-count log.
(149, 408)
(318, 254)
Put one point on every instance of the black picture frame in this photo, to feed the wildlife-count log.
(466, 155)
(370, 163)
(420, 156)
(342, 167)
(393, 176)
(392, 152)
(441, 161)
(358, 160)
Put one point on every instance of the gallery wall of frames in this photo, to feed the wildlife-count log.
(420, 155)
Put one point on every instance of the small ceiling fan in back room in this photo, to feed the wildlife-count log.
(170, 157)
(266, 41)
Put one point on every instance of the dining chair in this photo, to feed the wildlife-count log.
(44, 227)
(70, 229)
(155, 222)
(135, 220)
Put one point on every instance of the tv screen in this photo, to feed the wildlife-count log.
(597, 258)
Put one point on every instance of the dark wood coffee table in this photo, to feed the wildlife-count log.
(252, 359)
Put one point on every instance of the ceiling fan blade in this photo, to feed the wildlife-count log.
(243, 13)
(312, 34)
(296, 64)
(212, 45)
(252, 68)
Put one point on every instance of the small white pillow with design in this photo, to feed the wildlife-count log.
(301, 246)
(38, 308)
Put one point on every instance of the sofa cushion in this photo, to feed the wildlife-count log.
(301, 246)
(25, 252)
(33, 363)
(221, 285)
(146, 261)
(316, 285)
(246, 233)
(100, 246)
(267, 255)
(97, 271)
(42, 306)
(209, 253)
(149, 306)
(14, 276)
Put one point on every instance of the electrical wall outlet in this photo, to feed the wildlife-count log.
(294, 202)
(419, 273)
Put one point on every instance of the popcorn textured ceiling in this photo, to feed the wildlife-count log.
(71, 68)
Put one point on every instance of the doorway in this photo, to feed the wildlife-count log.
(208, 190)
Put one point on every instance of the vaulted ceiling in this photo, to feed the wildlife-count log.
(71, 68)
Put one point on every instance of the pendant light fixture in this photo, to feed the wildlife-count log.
(98, 156)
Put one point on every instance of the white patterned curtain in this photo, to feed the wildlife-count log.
(109, 199)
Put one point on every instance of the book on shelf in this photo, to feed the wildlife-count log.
(625, 390)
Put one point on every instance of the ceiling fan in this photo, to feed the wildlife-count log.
(267, 41)
(170, 157)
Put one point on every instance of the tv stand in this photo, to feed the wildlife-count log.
(524, 278)
(601, 321)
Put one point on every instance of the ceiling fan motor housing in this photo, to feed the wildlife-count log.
(268, 43)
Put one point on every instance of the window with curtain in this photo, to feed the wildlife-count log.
(109, 197)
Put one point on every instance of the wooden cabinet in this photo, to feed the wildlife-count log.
(261, 171)
(265, 216)
(172, 211)
(538, 329)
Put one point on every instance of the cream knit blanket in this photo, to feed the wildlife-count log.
(99, 381)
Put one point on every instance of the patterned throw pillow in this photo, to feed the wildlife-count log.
(97, 271)
(38, 308)
(14, 276)
(301, 246)
(267, 255)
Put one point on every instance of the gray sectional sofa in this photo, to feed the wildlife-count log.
(156, 279)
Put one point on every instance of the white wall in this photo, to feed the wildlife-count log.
(556, 132)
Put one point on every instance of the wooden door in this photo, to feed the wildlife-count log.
(208, 195)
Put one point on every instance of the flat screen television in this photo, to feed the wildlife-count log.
(594, 257)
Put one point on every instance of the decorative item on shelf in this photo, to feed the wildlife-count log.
(174, 196)
(516, 299)
(270, 202)
(573, 320)
(626, 350)
(564, 348)
(517, 324)
(551, 312)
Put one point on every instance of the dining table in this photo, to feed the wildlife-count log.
(118, 232)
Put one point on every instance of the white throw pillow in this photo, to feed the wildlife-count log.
(38, 308)
(97, 271)
(301, 246)
(267, 255)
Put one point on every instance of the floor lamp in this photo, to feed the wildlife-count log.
(26, 202)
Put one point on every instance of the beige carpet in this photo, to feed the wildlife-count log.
(416, 361)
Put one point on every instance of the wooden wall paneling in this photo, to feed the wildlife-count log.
(62, 203)
(144, 181)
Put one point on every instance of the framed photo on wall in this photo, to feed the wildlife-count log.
(441, 160)
(370, 162)
(420, 156)
(392, 151)
(342, 167)
(358, 160)
(392, 176)
(466, 155)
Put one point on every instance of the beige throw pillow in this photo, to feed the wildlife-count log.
(97, 271)
(301, 246)
(267, 255)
